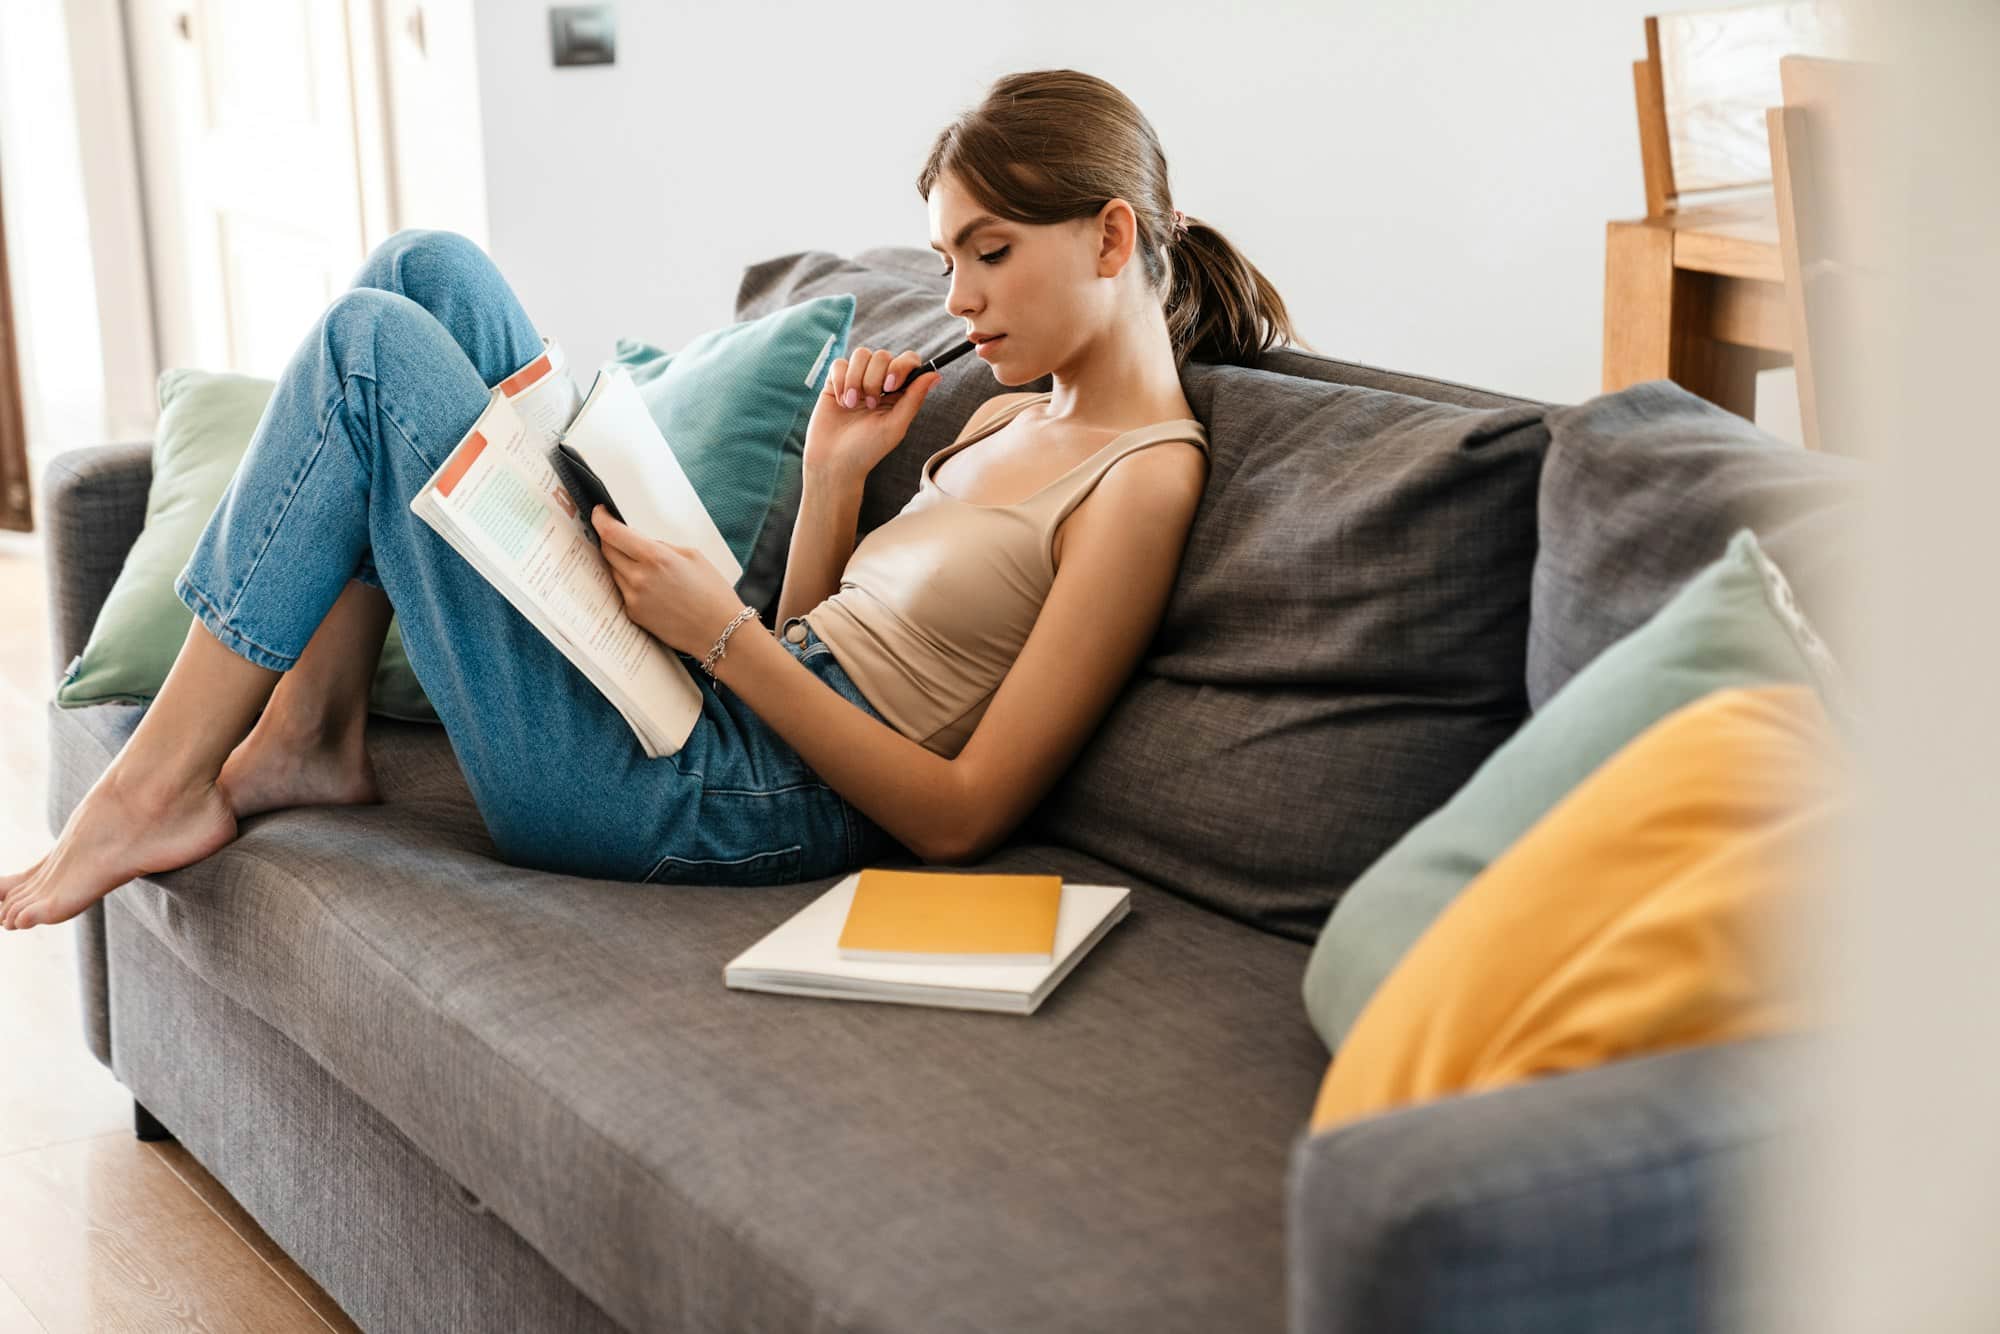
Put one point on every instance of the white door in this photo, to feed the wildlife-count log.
(254, 177)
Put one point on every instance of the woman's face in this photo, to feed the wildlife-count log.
(1039, 285)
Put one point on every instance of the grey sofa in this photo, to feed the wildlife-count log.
(466, 1096)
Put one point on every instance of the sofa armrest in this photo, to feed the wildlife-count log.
(93, 507)
(1611, 1198)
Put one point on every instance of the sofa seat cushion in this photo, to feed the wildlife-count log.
(694, 1157)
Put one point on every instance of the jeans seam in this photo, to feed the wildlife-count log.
(389, 415)
(796, 848)
(853, 830)
(758, 791)
(382, 412)
(271, 532)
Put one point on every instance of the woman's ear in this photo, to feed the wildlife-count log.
(1118, 237)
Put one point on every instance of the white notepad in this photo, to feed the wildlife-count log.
(801, 957)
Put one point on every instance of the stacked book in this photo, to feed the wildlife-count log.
(964, 941)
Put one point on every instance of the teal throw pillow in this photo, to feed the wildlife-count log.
(1734, 624)
(734, 405)
(206, 421)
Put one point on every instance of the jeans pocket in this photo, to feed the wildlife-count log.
(777, 867)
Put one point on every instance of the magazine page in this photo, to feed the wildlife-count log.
(620, 441)
(497, 492)
(543, 394)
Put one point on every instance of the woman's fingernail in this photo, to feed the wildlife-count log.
(890, 383)
(850, 397)
(872, 400)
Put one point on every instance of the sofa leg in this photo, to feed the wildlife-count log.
(145, 1126)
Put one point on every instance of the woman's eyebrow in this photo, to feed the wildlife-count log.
(983, 220)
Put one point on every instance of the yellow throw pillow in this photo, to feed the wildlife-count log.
(1646, 911)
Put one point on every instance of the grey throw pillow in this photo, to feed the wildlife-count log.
(1643, 489)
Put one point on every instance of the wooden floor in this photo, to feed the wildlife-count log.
(98, 1231)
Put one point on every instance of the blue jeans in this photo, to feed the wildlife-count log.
(385, 383)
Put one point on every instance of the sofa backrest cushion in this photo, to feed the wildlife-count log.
(1345, 642)
(1344, 646)
(1643, 488)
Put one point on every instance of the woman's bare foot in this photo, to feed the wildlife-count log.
(123, 828)
(273, 768)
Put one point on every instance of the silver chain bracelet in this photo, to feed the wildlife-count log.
(722, 645)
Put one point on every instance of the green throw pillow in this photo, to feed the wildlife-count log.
(206, 420)
(1734, 624)
(734, 405)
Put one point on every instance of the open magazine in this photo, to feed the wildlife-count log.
(498, 501)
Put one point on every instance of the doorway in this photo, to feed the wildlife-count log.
(16, 510)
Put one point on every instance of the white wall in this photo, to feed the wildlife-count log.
(1426, 182)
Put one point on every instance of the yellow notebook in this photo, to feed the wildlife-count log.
(936, 917)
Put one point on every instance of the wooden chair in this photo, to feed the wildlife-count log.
(1694, 291)
(1822, 158)
(1703, 88)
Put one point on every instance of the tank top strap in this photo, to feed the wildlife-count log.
(1000, 419)
(1054, 505)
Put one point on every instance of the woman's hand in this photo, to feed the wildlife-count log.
(670, 592)
(849, 439)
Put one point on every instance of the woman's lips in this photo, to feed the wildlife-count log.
(989, 343)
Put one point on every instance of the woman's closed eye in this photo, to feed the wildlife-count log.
(983, 259)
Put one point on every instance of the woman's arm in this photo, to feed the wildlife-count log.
(822, 541)
(909, 790)
(829, 511)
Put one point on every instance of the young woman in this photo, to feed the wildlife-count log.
(988, 627)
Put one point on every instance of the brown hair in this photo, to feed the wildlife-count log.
(1053, 145)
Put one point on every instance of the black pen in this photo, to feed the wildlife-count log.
(935, 365)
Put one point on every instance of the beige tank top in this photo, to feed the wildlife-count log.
(935, 604)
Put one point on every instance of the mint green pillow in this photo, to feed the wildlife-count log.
(206, 420)
(734, 405)
(1734, 624)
